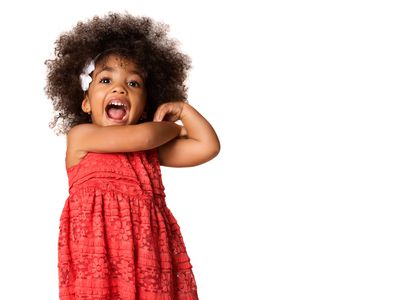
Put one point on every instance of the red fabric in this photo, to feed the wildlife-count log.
(118, 239)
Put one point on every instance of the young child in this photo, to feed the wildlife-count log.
(117, 87)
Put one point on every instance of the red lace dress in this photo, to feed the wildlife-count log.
(118, 239)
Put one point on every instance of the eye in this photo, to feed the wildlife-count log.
(134, 83)
(105, 80)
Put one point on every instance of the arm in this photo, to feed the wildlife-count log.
(121, 138)
(200, 144)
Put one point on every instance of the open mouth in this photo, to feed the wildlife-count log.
(117, 110)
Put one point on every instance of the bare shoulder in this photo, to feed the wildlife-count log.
(75, 153)
(79, 133)
(82, 129)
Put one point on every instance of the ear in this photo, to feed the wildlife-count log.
(86, 105)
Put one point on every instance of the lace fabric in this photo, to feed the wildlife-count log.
(118, 239)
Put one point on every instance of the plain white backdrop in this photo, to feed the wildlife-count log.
(303, 200)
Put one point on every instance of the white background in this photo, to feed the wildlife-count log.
(303, 200)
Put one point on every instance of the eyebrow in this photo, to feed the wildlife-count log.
(110, 69)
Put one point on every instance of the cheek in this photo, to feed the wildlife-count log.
(141, 102)
(97, 97)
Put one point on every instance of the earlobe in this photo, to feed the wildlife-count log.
(86, 105)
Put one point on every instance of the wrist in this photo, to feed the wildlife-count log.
(185, 110)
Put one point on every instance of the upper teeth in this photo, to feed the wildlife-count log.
(116, 103)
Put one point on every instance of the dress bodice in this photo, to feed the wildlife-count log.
(140, 170)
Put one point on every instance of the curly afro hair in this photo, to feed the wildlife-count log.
(138, 38)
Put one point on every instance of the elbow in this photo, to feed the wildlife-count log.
(217, 149)
(214, 150)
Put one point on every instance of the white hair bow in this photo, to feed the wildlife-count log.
(85, 77)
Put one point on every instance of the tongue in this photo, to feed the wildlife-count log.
(116, 113)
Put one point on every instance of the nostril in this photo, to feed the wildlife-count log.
(121, 91)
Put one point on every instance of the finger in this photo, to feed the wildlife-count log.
(172, 117)
(162, 113)
(157, 115)
(166, 111)
(155, 118)
(172, 113)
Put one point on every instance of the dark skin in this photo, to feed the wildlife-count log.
(192, 144)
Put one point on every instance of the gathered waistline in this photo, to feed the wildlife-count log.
(124, 185)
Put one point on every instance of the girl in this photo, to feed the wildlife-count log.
(117, 87)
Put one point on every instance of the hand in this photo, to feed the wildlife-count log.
(170, 111)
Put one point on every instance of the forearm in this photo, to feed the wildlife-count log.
(198, 128)
(159, 133)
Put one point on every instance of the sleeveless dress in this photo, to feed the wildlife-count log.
(118, 240)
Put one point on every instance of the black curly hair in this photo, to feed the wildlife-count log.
(140, 39)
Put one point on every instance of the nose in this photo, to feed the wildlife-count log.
(119, 89)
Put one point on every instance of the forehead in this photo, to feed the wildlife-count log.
(114, 60)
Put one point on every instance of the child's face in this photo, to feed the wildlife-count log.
(116, 95)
